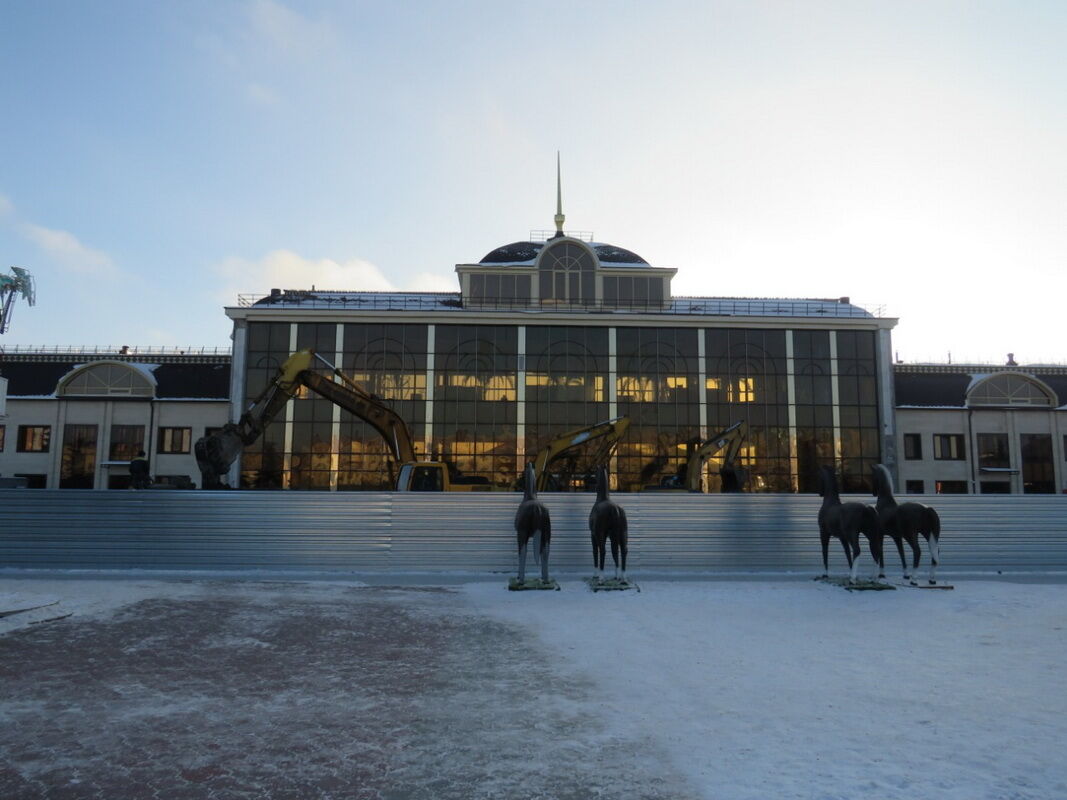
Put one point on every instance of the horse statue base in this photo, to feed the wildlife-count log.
(515, 585)
(910, 585)
(611, 584)
(858, 585)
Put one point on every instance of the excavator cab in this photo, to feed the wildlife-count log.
(422, 478)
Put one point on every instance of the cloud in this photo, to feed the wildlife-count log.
(261, 95)
(65, 249)
(6, 206)
(284, 269)
(290, 32)
(432, 282)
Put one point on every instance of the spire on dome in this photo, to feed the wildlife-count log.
(559, 201)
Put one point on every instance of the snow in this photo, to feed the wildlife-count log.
(745, 689)
(798, 690)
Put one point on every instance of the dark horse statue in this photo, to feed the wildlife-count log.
(532, 521)
(904, 522)
(845, 521)
(607, 521)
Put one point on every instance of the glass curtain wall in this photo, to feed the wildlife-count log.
(476, 400)
(389, 361)
(263, 461)
(747, 380)
(814, 406)
(857, 378)
(566, 388)
(657, 388)
(565, 370)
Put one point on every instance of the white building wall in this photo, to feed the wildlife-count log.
(927, 422)
(195, 414)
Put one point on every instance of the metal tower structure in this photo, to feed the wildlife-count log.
(20, 282)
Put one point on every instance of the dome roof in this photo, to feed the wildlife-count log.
(526, 253)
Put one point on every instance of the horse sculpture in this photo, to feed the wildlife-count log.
(532, 522)
(904, 522)
(846, 521)
(607, 522)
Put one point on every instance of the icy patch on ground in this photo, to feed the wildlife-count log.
(799, 690)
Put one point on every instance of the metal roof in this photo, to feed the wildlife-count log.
(452, 301)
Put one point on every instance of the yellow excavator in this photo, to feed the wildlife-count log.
(215, 454)
(605, 434)
(690, 477)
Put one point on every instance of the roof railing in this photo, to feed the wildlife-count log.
(448, 301)
(118, 350)
(544, 236)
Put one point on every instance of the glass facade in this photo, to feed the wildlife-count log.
(747, 379)
(476, 400)
(657, 387)
(486, 398)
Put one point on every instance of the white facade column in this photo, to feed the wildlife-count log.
(335, 426)
(702, 384)
(431, 346)
(238, 378)
(887, 403)
(791, 399)
(103, 447)
(520, 399)
(287, 457)
(613, 404)
(835, 399)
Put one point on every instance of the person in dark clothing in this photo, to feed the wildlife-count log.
(139, 472)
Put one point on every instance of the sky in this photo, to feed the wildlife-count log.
(158, 159)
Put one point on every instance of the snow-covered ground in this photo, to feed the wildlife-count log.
(740, 689)
(803, 690)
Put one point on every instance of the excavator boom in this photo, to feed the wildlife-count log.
(215, 454)
(728, 440)
(608, 433)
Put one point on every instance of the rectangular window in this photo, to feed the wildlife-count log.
(2, 431)
(951, 487)
(949, 447)
(34, 438)
(913, 446)
(914, 487)
(995, 487)
(174, 440)
(126, 442)
(34, 481)
(993, 450)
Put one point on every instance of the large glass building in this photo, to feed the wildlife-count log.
(561, 332)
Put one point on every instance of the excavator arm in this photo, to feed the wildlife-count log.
(608, 433)
(215, 454)
(728, 442)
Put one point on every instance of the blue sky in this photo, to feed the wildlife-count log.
(159, 158)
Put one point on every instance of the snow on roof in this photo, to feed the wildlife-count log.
(452, 301)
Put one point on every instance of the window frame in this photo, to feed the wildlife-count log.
(940, 439)
(916, 440)
(24, 431)
(165, 434)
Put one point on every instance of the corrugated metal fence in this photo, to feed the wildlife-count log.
(377, 532)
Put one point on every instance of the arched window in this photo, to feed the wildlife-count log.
(567, 273)
(107, 379)
(1010, 389)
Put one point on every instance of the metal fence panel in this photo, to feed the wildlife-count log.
(381, 531)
